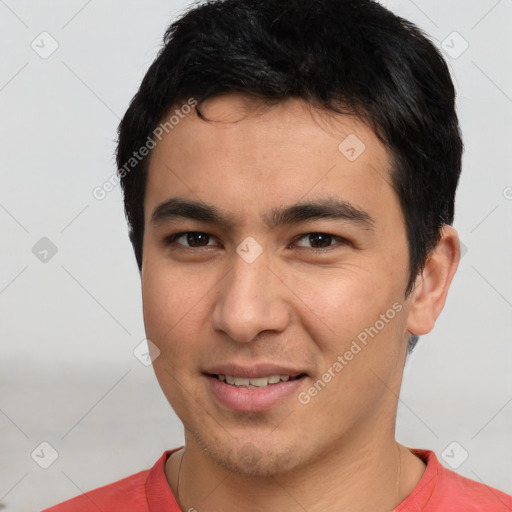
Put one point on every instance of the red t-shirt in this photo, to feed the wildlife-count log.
(439, 490)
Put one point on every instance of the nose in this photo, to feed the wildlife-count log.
(251, 299)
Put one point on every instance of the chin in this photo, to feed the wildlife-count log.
(253, 458)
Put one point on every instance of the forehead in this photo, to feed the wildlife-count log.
(248, 154)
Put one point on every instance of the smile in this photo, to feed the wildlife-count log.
(256, 382)
(253, 394)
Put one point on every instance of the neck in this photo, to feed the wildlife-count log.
(374, 476)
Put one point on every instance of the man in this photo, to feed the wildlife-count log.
(289, 171)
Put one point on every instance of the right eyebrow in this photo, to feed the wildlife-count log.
(185, 208)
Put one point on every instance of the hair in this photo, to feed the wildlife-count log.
(350, 57)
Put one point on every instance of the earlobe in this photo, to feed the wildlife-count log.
(432, 284)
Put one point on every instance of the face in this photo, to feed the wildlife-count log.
(296, 264)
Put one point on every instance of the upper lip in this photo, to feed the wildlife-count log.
(252, 372)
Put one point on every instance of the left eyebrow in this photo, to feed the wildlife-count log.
(328, 208)
(319, 209)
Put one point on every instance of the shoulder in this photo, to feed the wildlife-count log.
(126, 494)
(453, 492)
(461, 491)
(134, 493)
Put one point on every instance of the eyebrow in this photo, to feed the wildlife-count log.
(328, 208)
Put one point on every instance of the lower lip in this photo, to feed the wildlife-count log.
(254, 399)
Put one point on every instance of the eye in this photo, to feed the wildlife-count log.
(321, 240)
(198, 239)
(193, 238)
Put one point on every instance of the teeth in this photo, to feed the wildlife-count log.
(258, 382)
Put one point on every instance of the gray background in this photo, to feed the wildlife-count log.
(69, 324)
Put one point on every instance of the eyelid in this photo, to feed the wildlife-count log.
(171, 239)
(341, 241)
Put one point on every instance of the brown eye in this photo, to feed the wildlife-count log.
(320, 240)
(189, 239)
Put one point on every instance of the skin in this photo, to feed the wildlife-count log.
(293, 305)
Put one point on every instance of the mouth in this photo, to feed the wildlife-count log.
(251, 390)
(256, 382)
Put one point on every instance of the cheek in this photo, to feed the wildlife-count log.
(167, 301)
(356, 321)
(171, 307)
(341, 302)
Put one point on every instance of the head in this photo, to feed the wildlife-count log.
(253, 106)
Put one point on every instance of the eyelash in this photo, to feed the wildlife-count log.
(170, 240)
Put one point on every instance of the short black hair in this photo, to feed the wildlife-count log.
(345, 56)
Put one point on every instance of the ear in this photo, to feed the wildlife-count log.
(431, 287)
